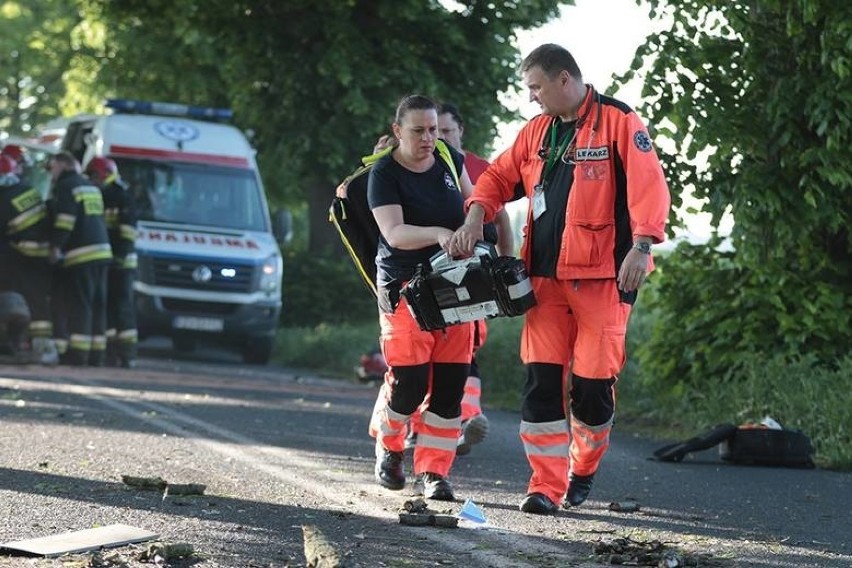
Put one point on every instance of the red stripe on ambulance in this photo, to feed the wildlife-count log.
(129, 151)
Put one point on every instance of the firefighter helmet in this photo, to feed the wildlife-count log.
(99, 169)
(8, 170)
(13, 151)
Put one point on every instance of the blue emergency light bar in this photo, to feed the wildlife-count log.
(168, 109)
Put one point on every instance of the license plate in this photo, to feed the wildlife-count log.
(198, 324)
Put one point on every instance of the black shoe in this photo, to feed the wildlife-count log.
(579, 487)
(538, 504)
(389, 470)
(434, 486)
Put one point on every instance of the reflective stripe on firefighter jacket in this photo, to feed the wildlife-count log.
(79, 229)
(23, 219)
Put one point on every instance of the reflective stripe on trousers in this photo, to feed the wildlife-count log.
(588, 445)
(547, 447)
(436, 444)
(471, 405)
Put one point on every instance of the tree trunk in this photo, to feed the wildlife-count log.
(322, 236)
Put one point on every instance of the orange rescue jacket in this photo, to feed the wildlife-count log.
(619, 191)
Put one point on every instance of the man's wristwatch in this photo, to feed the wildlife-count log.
(643, 247)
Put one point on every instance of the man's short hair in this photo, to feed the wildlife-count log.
(552, 59)
(453, 111)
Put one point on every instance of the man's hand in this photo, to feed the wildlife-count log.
(633, 271)
(466, 236)
(383, 142)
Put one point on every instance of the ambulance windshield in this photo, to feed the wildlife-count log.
(228, 198)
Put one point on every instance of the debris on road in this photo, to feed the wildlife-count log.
(624, 506)
(80, 541)
(157, 483)
(629, 552)
(160, 484)
(319, 552)
(470, 511)
(415, 505)
(159, 553)
(417, 514)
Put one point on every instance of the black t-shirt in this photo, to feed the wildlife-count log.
(548, 228)
(428, 199)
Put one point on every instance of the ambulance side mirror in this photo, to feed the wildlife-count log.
(282, 226)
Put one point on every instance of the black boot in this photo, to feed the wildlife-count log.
(434, 486)
(579, 487)
(538, 504)
(389, 470)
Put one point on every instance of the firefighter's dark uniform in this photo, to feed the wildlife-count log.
(23, 252)
(80, 232)
(120, 216)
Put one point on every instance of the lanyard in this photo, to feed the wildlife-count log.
(555, 157)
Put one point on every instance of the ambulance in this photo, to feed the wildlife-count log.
(210, 265)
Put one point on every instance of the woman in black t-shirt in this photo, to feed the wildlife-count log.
(418, 204)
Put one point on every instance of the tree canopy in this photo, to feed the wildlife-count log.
(316, 81)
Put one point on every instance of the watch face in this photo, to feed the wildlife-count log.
(643, 247)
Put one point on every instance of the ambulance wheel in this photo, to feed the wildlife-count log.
(258, 350)
(183, 344)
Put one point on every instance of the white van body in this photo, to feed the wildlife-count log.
(209, 265)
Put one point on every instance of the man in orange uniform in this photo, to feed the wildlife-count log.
(598, 201)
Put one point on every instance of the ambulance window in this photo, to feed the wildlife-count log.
(195, 194)
(75, 139)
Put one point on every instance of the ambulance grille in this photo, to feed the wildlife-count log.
(213, 276)
(192, 307)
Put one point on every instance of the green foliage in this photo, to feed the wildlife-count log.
(334, 350)
(324, 289)
(714, 314)
(36, 49)
(763, 91)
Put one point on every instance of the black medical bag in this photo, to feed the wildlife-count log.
(450, 291)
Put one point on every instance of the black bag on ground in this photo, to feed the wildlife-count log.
(748, 444)
(765, 446)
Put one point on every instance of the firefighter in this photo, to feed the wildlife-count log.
(598, 200)
(24, 230)
(120, 215)
(79, 244)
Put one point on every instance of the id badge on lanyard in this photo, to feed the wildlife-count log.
(538, 202)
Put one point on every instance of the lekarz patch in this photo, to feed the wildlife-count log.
(591, 154)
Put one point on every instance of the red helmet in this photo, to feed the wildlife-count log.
(8, 170)
(98, 169)
(13, 151)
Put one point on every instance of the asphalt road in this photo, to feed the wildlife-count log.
(279, 450)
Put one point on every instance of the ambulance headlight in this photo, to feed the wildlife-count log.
(270, 275)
